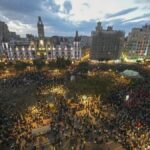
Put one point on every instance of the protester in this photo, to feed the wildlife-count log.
(125, 120)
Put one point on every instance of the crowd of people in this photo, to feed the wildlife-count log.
(73, 121)
(133, 107)
(12, 126)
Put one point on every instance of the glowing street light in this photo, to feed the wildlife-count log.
(84, 97)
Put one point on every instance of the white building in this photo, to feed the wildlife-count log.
(138, 42)
(42, 48)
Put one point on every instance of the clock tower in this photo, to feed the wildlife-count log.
(40, 27)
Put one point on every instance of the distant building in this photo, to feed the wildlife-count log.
(14, 36)
(42, 48)
(138, 41)
(30, 37)
(106, 44)
(85, 41)
(4, 32)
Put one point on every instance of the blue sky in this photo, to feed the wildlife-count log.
(63, 17)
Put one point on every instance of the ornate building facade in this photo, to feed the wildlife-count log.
(42, 48)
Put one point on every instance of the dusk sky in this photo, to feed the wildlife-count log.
(63, 17)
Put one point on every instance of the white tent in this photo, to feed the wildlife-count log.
(131, 74)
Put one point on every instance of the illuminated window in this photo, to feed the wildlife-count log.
(38, 54)
(23, 48)
(41, 42)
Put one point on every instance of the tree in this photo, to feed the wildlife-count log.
(83, 67)
(2, 66)
(94, 85)
(52, 64)
(38, 63)
(20, 66)
(61, 63)
(68, 62)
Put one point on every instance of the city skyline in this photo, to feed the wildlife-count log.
(63, 17)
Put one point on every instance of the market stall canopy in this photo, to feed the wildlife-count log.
(131, 74)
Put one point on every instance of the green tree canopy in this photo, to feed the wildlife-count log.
(20, 66)
(2, 66)
(62, 63)
(83, 67)
(94, 85)
(38, 63)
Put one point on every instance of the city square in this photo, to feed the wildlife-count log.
(74, 75)
(57, 113)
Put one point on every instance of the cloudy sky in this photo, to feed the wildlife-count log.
(63, 17)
